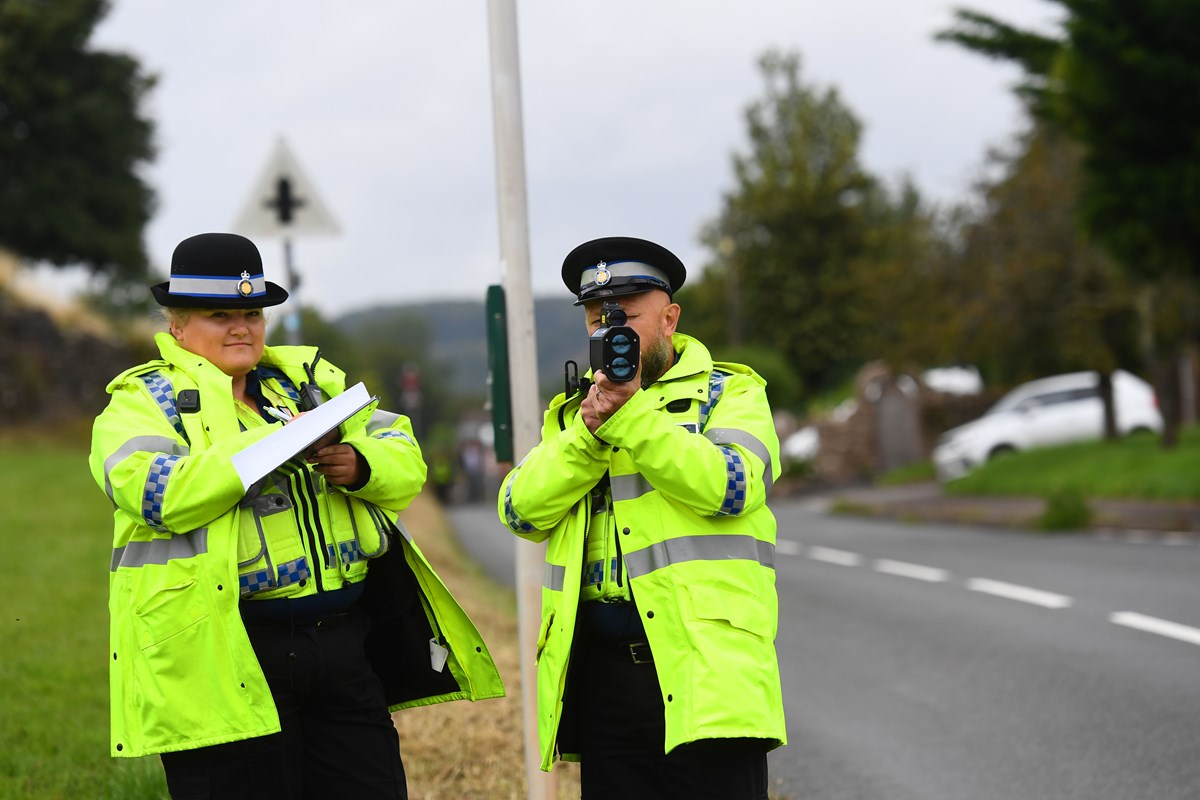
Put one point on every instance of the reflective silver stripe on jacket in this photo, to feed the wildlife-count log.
(717, 547)
(160, 551)
(380, 420)
(746, 440)
(554, 577)
(629, 487)
(140, 444)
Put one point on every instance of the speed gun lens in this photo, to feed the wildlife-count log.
(620, 368)
(621, 344)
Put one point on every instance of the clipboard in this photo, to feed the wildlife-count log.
(266, 454)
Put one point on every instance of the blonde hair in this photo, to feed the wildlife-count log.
(176, 316)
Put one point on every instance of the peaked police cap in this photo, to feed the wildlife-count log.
(620, 265)
(217, 270)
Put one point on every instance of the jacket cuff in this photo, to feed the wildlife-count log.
(616, 429)
(593, 444)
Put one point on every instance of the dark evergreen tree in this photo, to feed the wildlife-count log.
(72, 139)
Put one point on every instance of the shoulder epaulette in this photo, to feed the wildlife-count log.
(163, 392)
(716, 385)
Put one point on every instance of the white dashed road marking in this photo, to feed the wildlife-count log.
(1024, 594)
(1162, 627)
(831, 556)
(787, 547)
(906, 570)
(1010, 591)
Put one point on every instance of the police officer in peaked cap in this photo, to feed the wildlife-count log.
(657, 667)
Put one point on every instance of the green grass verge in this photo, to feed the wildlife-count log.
(917, 472)
(57, 532)
(1134, 467)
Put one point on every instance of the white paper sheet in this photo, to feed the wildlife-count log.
(266, 454)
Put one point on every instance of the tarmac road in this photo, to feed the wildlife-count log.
(941, 662)
(953, 662)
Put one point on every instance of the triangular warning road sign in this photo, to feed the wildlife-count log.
(284, 202)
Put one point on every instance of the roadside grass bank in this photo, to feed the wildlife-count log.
(1135, 467)
(54, 667)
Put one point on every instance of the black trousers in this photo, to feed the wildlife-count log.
(337, 738)
(621, 729)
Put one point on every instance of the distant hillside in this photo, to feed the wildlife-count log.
(458, 334)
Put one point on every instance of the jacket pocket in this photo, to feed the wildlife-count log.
(167, 613)
(746, 610)
(543, 636)
(359, 529)
(253, 521)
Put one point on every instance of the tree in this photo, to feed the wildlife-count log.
(1035, 53)
(1124, 82)
(1130, 92)
(908, 302)
(788, 235)
(1042, 298)
(71, 141)
(1128, 89)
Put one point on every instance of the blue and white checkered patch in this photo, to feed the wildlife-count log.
(735, 486)
(253, 582)
(294, 571)
(348, 552)
(155, 488)
(514, 522)
(716, 385)
(593, 572)
(388, 433)
(164, 394)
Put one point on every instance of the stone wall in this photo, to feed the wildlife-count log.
(851, 439)
(50, 374)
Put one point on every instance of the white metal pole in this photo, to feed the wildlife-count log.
(522, 350)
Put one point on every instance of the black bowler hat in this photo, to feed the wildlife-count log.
(217, 270)
(620, 265)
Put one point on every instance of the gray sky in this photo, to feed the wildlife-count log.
(631, 113)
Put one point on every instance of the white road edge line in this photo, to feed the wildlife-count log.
(905, 570)
(787, 547)
(1173, 630)
(1024, 594)
(831, 556)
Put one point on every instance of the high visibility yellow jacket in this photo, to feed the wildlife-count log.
(690, 460)
(183, 674)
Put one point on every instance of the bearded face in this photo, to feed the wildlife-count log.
(654, 316)
(657, 358)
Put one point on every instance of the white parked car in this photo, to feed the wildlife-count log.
(801, 445)
(1049, 411)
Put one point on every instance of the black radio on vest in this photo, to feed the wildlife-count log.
(311, 395)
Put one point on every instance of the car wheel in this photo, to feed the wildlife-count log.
(1000, 450)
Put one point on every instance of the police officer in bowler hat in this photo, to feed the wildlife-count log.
(260, 636)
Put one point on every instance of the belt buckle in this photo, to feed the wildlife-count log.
(640, 653)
